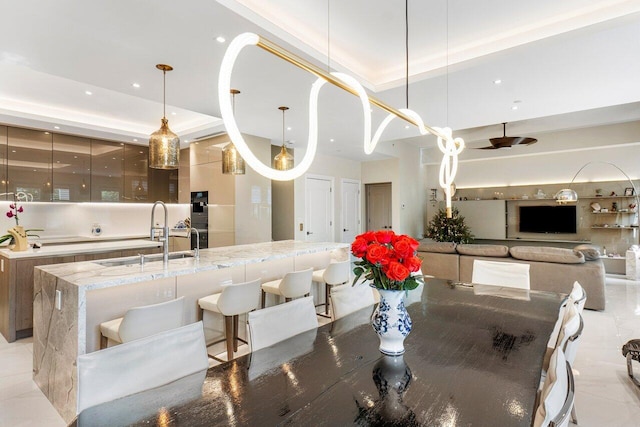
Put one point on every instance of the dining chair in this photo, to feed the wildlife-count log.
(235, 299)
(579, 296)
(558, 394)
(293, 285)
(507, 274)
(336, 273)
(140, 322)
(346, 299)
(141, 364)
(274, 324)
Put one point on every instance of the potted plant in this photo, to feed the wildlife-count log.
(17, 235)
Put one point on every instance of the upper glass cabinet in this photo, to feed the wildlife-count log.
(107, 166)
(29, 166)
(71, 169)
(136, 182)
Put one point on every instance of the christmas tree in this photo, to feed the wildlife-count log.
(443, 229)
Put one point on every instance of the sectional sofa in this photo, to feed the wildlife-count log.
(552, 269)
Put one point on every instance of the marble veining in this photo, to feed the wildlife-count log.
(80, 248)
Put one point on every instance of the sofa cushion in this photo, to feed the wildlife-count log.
(590, 252)
(483, 250)
(439, 247)
(547, 254)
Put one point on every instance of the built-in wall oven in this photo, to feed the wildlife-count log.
(200, 218)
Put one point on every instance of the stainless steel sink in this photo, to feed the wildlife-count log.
(147, 258)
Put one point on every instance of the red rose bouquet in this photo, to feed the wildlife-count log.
(387, 259)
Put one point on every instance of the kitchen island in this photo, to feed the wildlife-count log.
(71, 300)
(16, 273)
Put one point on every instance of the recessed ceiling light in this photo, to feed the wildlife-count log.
(141, 152)
(46, 133)
(514, 107)
(13, 151)
(288, 127)
(136, 85)
(497, 81)
(186, 140)
(407, 126)
(220, 39)
(56, 127)
(331, 140)
(173, 113)
(75, 157)
(88, 92)
(135, 139)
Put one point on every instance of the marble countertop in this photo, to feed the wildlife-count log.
(80, 248)
(99, 274)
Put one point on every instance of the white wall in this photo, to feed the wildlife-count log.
(329, 166)
(68, 220)
(253, 198)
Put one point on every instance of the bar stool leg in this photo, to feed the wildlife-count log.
(235, 333)
(103, 342)
(228, 331)
(326, 298)
(264, 297)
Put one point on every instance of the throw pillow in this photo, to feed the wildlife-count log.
(590, 252)
(440, 247)
(483, 250)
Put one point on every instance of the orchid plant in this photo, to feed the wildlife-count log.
(14, 210)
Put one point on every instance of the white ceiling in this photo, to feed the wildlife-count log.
(554, 58)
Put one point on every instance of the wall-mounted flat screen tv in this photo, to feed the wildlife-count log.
(547, 219)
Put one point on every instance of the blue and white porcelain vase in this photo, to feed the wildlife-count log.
(391, 322)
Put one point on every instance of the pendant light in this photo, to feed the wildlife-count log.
(164, 145)
(283, 160)
(232, 161)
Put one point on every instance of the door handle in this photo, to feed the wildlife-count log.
(309, 232)
(345, 230)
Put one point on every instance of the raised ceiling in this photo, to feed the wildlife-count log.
(554, 58)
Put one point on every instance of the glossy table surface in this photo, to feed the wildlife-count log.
(473, 357)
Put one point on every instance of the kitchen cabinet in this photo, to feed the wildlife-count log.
(136, 175)
(29, 170)
(3, 162)
(71, 169)
(107, 167)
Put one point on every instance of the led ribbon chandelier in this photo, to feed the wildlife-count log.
(449, 146)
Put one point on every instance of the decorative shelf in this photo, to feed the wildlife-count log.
(606, 197)
(610, 213)
(614, 227)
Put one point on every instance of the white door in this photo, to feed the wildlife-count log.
(319, 209)
(378, 206)
(350, 210)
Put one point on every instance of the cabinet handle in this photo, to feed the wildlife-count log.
(309, 232)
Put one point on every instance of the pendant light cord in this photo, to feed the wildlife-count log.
(164, 94)
(406, 51)
(283, 110)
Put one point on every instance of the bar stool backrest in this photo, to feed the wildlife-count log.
(140, 322)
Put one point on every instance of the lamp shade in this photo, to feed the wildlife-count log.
(164, 148)
(232, 162)
(283, 160)
(565, 196)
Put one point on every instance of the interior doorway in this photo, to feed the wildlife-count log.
(319, 209)
(350, 210)
(378, 202)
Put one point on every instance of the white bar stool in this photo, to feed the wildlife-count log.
(336, 273)
(293, 285)
(140, 322)
(235, 299)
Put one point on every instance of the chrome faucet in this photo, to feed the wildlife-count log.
(165, 231)
(196, 251)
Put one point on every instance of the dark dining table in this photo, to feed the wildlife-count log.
(473, 358)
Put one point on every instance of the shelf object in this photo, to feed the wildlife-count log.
(613, 227)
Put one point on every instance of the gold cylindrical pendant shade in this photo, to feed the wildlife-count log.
(164, 148)
(232, 162)
(283, 161)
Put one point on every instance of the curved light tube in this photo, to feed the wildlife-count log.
(449, 146)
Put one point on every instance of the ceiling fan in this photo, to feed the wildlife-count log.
(508, 141)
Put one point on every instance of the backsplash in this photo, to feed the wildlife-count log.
(72, 220)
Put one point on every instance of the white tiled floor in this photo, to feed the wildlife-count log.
(605, 396)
